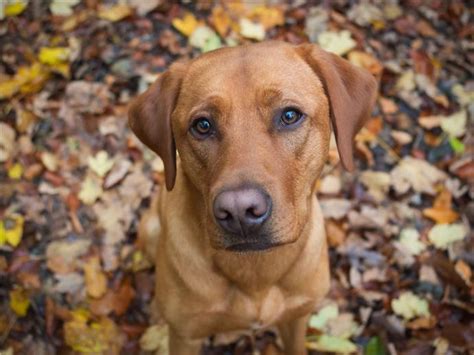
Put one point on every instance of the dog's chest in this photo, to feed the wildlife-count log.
(263, 309)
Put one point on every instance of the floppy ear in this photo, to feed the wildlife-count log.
(149, 116)
(351, 92)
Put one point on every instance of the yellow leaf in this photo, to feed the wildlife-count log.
(14, 8)
(91, 190)
(54, 55)
(114, 13)
(19, 302)
(11, 230)
(8, 88)
(15, 172)
(96, 281)
(101, 163)
(32, 79)
(409, 306)
(221, 20)
(155, 338)
(50, 161)
(97, 337)
(268, 16)
(186, 25)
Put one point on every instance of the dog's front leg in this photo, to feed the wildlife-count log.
(183, 346)
(293, 335)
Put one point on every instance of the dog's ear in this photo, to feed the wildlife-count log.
(149, 116)
(351, 92)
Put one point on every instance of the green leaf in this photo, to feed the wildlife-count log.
(319, 321)
(457, 145)
(374, 347)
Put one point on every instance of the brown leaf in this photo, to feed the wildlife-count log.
(114, 300)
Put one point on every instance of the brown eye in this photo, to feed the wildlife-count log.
(290, 116)
(201, 128)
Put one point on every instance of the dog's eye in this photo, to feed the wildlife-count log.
(201, 127)
(290, 116)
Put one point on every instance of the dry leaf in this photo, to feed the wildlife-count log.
(186, 25)
(441, 212)
(114, 13)
(417, 174)
(96, 281)
(410, 306)
(377, 183)
(155, 338)
(336, 42)
(327, 343)
(7, 140)
(100, 163)
(91, 190)
(410, 239)
(442, 235)
(252, 30)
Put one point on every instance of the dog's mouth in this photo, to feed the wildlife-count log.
(252, 246)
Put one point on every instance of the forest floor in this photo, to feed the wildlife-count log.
(74, 180)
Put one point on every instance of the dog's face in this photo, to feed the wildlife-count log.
(252, 127)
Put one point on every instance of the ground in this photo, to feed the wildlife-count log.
(74, 180)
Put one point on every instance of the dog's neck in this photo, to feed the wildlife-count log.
(251, 272)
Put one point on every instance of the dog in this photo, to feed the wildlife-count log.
(239, 235)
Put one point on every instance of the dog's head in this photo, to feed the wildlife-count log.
(252, 127)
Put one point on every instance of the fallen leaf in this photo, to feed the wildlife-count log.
(144, 7)
(455, 124)
(417, 174)
(221, 20)
(464, 270)
(441, 212)
(336, 42)
(268, 16)
(377, 183)
(252, 30)
(205, 39)
(61, 253)
(343, 326)
(330, 185)
(374, 347)
(117, 173)
(155, 339)
(319, 320)
(442, 235)
(186, 25)
(366, 61)
(114, 13)
(7, 140)
(88, 97)
(410, 239)
(50, 161)
(100, 164)
(15, 171)
(410, 306)
(422, 323)
(14, 7)
(116, 301)
(401, 137)
(63, 7)
(93, 337)
(96, 281)
(335, 208)
(19, 302)
(11, 230)
(91, 190)
(465, 97)
(329, 343)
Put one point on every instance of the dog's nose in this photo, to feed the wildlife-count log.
(242, 211)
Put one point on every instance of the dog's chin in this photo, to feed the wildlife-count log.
(253, 246)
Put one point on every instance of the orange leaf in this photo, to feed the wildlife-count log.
(441, 211)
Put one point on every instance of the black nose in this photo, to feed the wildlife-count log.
(242, 211)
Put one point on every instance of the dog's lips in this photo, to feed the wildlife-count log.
(252, 246)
